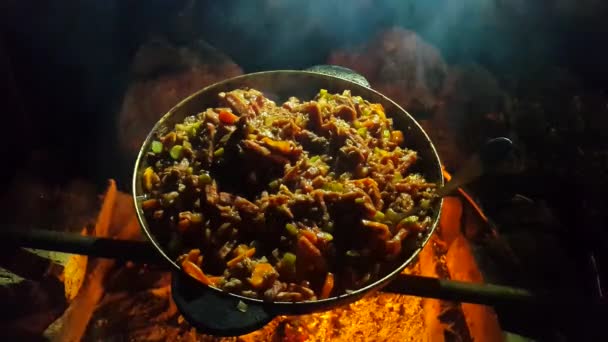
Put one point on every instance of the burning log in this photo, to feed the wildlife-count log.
(29, 265)
(481, 320)
(134, 302)
(74, 274)
(461, 265)
(431, 306)
(72, 324)
(20, 321)
(452, 258)
(29, 277)
(451, 219)
(35, 291)
(381, 316)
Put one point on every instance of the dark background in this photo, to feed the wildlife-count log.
(70, 60)
(66, 66)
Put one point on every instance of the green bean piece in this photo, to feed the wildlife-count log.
(205, 179)
(291, 229)
(176, 151)
(157, 146)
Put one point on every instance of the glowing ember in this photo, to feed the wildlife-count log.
(137, 304)
(379, 317)
(74, 273)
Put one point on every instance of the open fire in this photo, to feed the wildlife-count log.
(85, 84)
(107, 300)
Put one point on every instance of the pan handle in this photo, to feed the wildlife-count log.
(133, 250)
(488, 294)
(142, 251)
(341, 72)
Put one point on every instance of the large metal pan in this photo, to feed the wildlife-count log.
(219, 313)
(279, 86)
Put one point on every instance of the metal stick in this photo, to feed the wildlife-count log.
(133, 250)
(490, 154)
(476, 293)
(142, 251)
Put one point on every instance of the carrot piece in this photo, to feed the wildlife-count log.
(195, 272)
(227, 118)
(150, 204)
(147, 177)
(378, 227)
(232, 262)
(278, 145)
(240, 249)
(183, 225)
(215, 280)
(397, 137)
(248, 254)
(312, 237)
(260, 273)
(308, 256)
(195, 256)
(307, 249)
(368, 123)
(376, 107)
(328, 285)
(393, 246)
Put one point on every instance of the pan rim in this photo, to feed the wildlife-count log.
(354, 294)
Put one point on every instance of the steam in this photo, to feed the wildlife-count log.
(288, 33)
(500, 34)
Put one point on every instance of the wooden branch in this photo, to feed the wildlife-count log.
(27, 264)
(71, 326)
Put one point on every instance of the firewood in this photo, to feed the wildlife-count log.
(481, 320)
(431, 307)
(72, 324)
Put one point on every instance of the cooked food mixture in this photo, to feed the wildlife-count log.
(292, 202)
